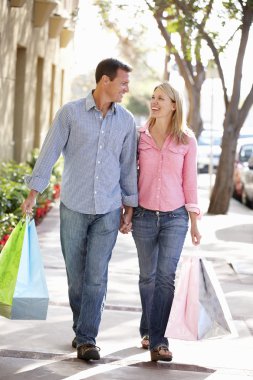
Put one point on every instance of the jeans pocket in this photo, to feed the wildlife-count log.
(138, 212)
(181, 213)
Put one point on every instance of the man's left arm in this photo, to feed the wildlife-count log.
(128, 178)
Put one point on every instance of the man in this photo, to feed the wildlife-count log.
(97, 138)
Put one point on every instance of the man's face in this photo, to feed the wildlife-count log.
(118, 87)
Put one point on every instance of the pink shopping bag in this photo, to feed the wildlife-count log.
(199, 308)
(183, 321)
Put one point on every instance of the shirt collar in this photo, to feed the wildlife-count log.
(90, 103)
(145, 129)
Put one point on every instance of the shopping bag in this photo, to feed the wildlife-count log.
(28, 299)
(199, 309)
(9, 264)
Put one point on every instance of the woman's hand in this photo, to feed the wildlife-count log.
(195, 234)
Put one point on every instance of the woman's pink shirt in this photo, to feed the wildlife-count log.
(167, 176)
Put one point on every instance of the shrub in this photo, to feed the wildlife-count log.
(13, 192)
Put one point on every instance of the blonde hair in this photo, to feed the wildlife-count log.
(178, 126)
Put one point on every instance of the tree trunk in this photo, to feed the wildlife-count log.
(194, 120)
(223, 187)
(234, 119)
(166, 73)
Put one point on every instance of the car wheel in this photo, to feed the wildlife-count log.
(244, 198)
(235, 195)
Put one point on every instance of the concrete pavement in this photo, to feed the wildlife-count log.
(42, 349)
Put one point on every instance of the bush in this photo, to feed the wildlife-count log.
(13, 192)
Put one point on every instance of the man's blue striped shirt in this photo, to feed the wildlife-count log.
(99, 157)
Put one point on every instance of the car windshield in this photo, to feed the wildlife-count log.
(206, 140)
(246, 152)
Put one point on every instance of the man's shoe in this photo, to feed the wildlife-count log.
(161, 353)
(88, 352)
(74, 344)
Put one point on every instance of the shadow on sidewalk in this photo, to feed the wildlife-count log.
(124, 364)
(240, 233)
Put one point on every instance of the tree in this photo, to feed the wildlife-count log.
(195, 17)
(236, 110)
(187, 30)
(171, 21)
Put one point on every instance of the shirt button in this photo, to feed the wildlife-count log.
(100, 147)
(103, 131)
(98, 162)
(95, 192)
(96, 177)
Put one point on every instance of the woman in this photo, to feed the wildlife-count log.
(167, 200)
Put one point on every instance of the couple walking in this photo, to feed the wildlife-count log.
(100, 196)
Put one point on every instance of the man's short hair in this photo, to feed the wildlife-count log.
(110, 67)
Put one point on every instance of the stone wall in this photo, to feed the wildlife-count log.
(34, 71)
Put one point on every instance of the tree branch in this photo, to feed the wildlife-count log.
(245, 107)
(183, 7)
(246, 24)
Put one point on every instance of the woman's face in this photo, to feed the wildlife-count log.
(161, 105)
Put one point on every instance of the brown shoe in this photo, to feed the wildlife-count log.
(161, 353)
(88, 352)
(74, 344)
(145, 342)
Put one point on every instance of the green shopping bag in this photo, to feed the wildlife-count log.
(23, 287)
(9, 266)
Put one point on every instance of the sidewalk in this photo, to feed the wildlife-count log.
(42, 349)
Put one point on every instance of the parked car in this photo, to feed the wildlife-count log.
(209, 150)
(247, 188)
(244, 152)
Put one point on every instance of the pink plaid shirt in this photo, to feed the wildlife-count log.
(168, 176)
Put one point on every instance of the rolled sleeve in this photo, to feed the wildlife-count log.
(36, 183)
(190, 207)
(131, 200)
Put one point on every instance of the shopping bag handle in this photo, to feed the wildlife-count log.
(28, 216)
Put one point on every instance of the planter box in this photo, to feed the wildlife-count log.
(17, 3)
(55, 25)
(42, 11)
(65, 37)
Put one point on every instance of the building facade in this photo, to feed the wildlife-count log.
(36, 53)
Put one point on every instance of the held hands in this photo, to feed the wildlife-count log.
(126, 220)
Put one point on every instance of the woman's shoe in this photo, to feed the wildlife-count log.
(161, 353)
(74, 344)
(145, 342)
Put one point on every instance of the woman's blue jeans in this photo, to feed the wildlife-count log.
(87, 242)
(159, 238)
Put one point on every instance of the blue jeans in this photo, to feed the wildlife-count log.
(87, 242)
(159, 238)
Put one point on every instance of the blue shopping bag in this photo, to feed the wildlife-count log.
(30, 299)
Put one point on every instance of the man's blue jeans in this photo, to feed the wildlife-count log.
(87, 242)
(159, 239)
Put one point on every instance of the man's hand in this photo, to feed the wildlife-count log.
(126, 220)
(29, 203)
